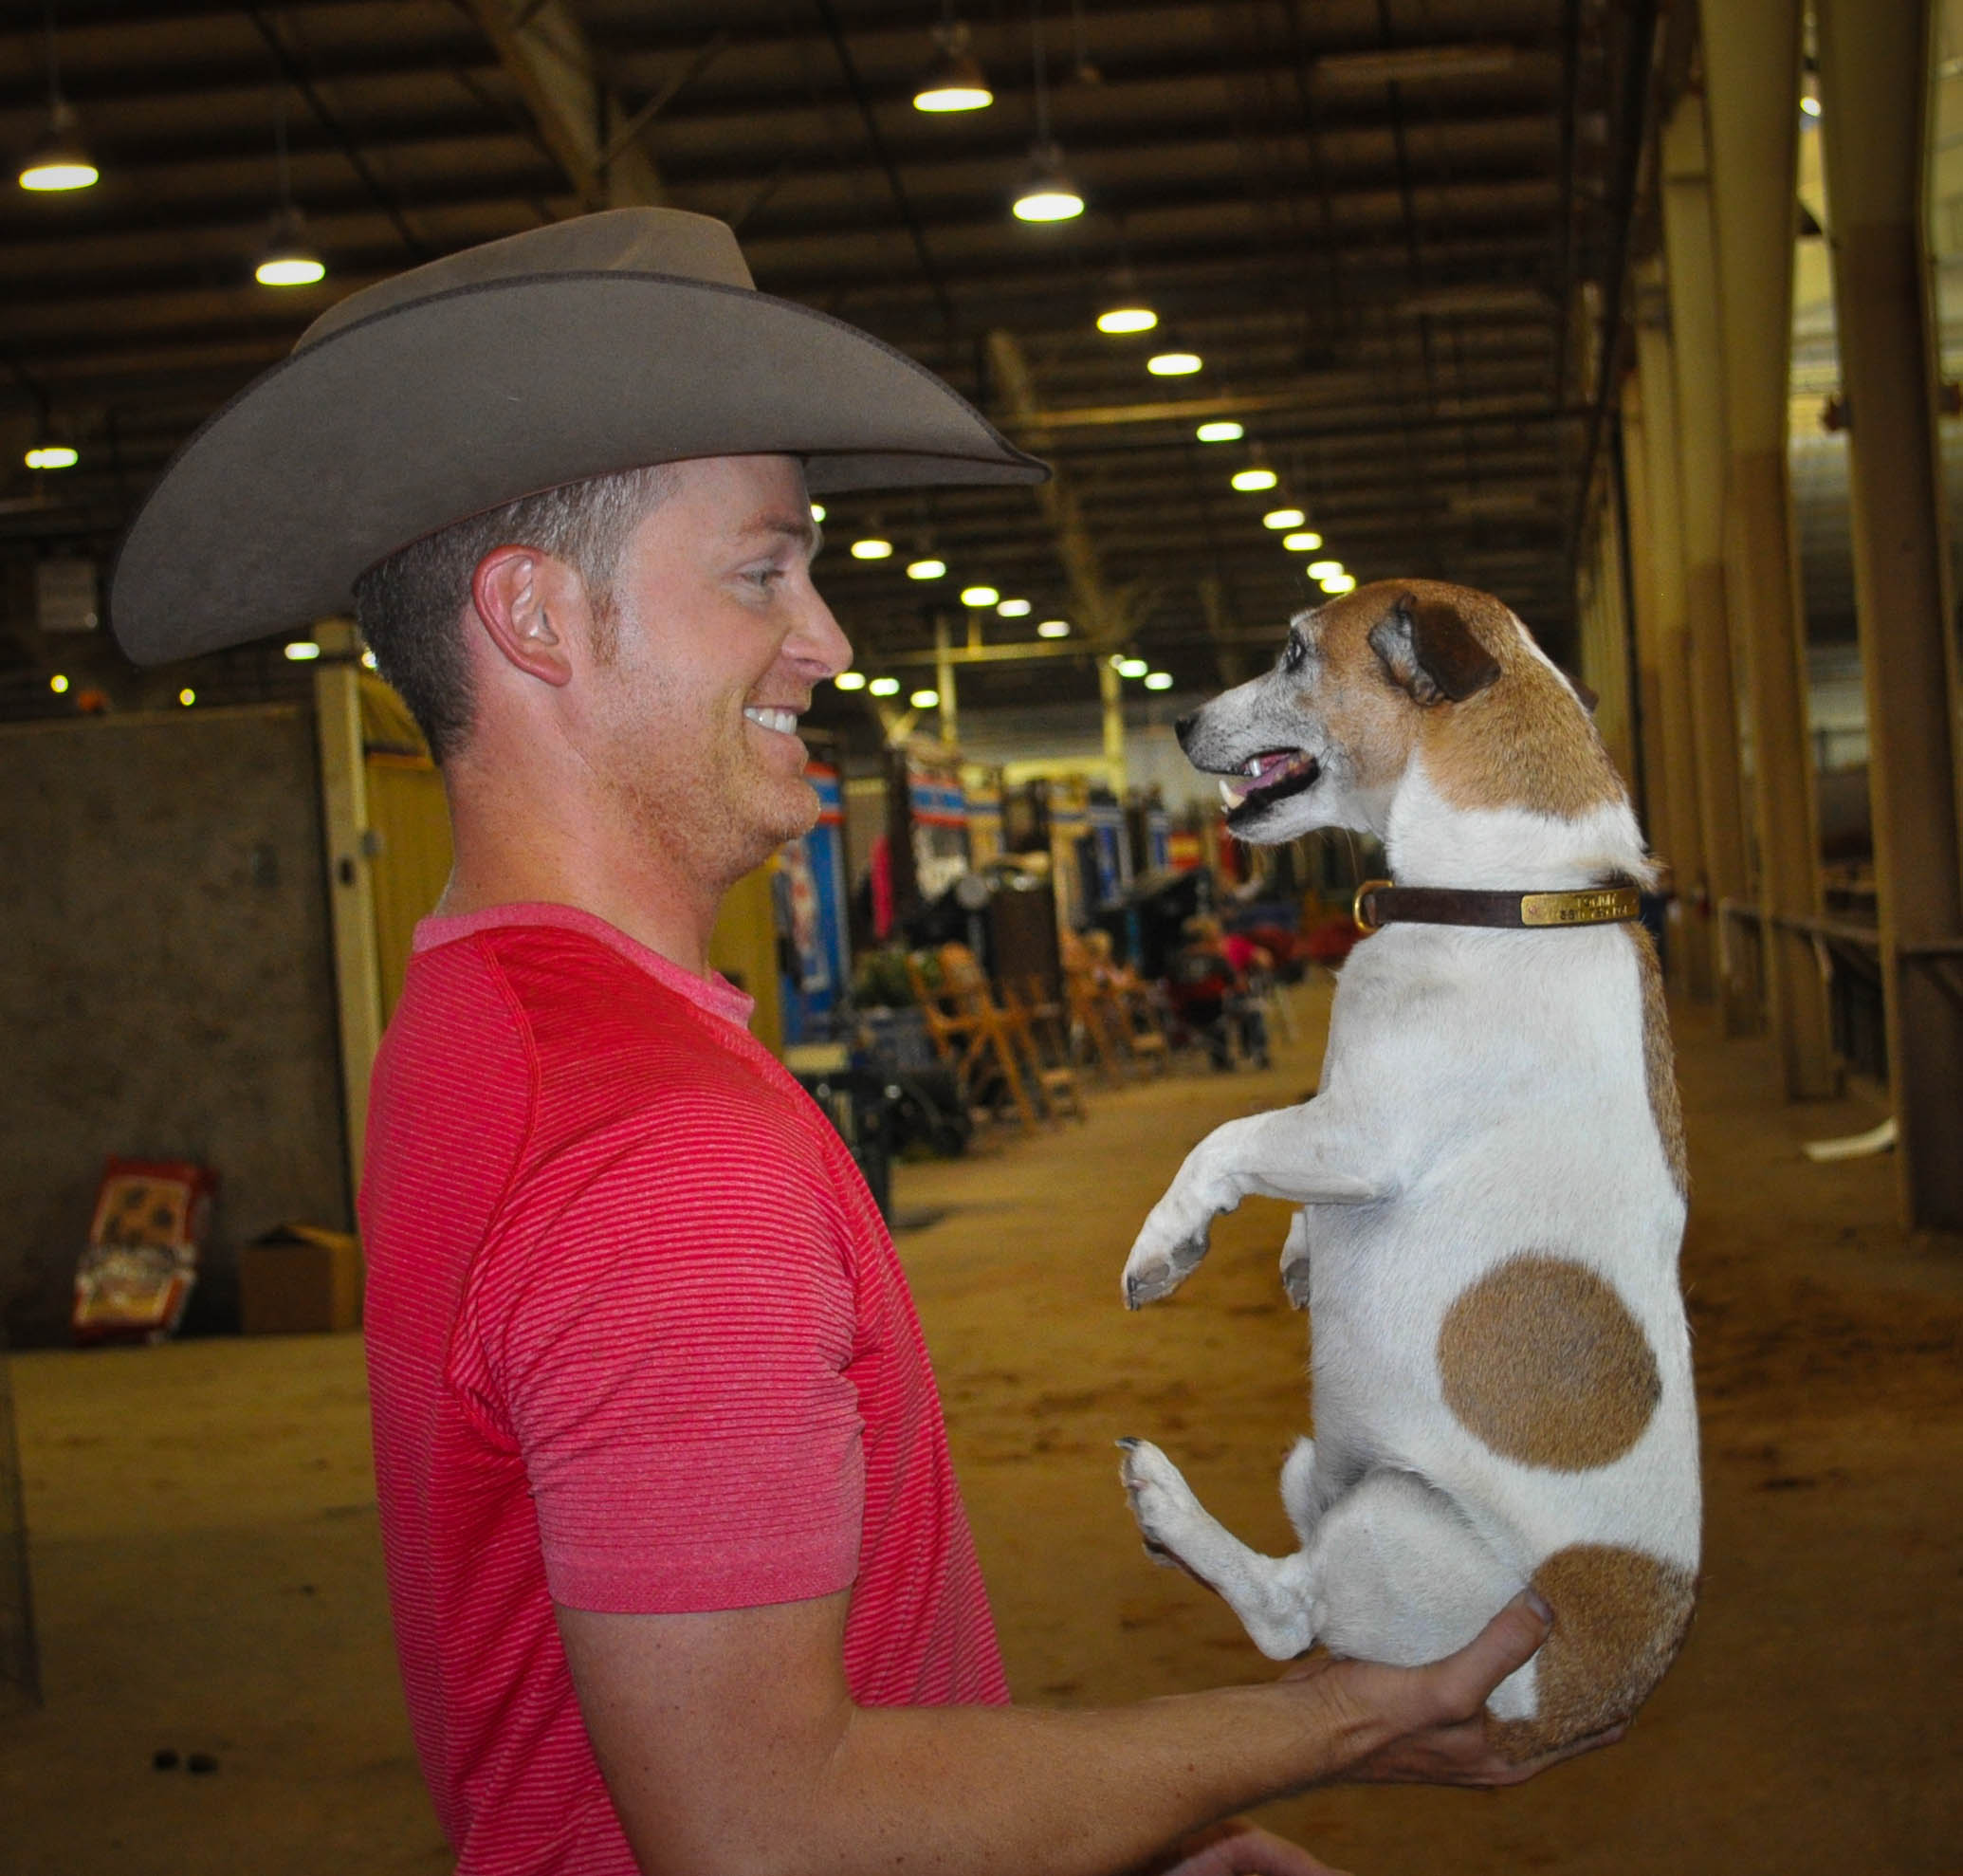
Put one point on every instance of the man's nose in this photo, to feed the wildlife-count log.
(820, 640)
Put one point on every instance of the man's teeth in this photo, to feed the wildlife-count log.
(785, 721)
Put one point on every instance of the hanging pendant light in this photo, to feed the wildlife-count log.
(288, 258)
(1049, 196)
(59, 159)
(955, 82)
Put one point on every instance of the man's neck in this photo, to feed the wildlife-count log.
(520, 857)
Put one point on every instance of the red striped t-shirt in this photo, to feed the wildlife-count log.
(637, 1341)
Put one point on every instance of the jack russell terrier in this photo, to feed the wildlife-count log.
(1491, 1180)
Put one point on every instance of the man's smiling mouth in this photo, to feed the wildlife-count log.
(1271, 775)
(784, 721)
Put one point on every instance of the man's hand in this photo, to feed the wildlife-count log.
(1430, 1722)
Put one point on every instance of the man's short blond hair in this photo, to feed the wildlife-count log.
(410, 606)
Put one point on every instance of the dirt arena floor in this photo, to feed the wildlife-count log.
(207, 1569)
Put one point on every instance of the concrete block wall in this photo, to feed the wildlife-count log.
(166, 986)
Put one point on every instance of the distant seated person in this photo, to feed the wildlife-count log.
(1105, 967)
(1220, 979)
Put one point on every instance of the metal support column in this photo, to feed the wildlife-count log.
(1874, 85)
(350, 880)
(1605, 635)
(1111, 689)
(1752, 72)
(944, 679)
(1680, 823)
(1700, 423)
(1648, 686)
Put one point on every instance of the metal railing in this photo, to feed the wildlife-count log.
(1850, 961)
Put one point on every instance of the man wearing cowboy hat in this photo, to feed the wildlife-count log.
(680, 1576)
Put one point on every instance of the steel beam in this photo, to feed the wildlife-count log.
(1874, 85)
(1752, 69)
(1101, 611)
(1677, 830)
(1698, 352)
(546, 51)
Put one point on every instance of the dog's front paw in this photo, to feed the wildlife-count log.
(1156, 1268)
(1294, 1260)
(1162, 1502)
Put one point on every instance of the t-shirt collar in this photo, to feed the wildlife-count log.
(713, 993)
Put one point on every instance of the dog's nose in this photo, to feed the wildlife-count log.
(1184, 724)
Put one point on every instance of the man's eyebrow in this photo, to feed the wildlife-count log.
(786, 526)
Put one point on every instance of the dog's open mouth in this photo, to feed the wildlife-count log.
(1271, 775)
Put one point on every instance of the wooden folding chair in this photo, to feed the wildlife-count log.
(1042, 1030)
(971, 1037)
(1089, 1016)
(964, 982)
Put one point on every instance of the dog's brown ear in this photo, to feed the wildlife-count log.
(1428, 649)
(1588, 699)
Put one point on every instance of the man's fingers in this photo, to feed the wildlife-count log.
(1529, 1767)
(1507, 1643)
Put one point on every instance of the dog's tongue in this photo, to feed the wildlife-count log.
(1271, 764)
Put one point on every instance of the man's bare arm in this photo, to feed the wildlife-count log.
(730, 1743)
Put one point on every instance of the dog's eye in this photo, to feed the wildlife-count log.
(1293, 653)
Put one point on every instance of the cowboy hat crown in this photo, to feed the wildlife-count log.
(604, 342)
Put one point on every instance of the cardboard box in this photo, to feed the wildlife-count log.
(300, 1279)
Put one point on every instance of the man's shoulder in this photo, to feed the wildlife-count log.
(616, 1057)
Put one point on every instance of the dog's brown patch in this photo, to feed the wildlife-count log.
(1658, 1062)
(1620, 1618)
(1372, 722)
(1542, 1361)
(1522, 741)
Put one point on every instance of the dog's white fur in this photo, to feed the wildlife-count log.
(1484, 1096)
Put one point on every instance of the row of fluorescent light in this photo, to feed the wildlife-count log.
(977, 598)
(1297, 537)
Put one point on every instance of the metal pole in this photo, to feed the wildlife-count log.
(1111, 689)
(1701, 421)
(1752, 69)
(1678, 823)
(943, 676)
(1874, 87)
(1648, 636)
(350, 880)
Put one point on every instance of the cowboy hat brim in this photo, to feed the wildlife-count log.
(396, 425)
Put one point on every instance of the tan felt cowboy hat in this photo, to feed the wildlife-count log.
(600, 344)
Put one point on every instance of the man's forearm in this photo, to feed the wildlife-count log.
(1041, 1793)
(732, 1748)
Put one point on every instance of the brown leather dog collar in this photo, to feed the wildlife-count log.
(1378, 903)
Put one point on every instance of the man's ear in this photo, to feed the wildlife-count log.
(515, 592)
(1428, 649)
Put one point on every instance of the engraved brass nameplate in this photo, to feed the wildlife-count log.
(1607, 906)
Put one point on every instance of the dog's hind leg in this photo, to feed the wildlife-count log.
(1396, 1574)
(1268, 1593)
(1389, 1572)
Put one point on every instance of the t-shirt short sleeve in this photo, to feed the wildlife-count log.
(670, 1350)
